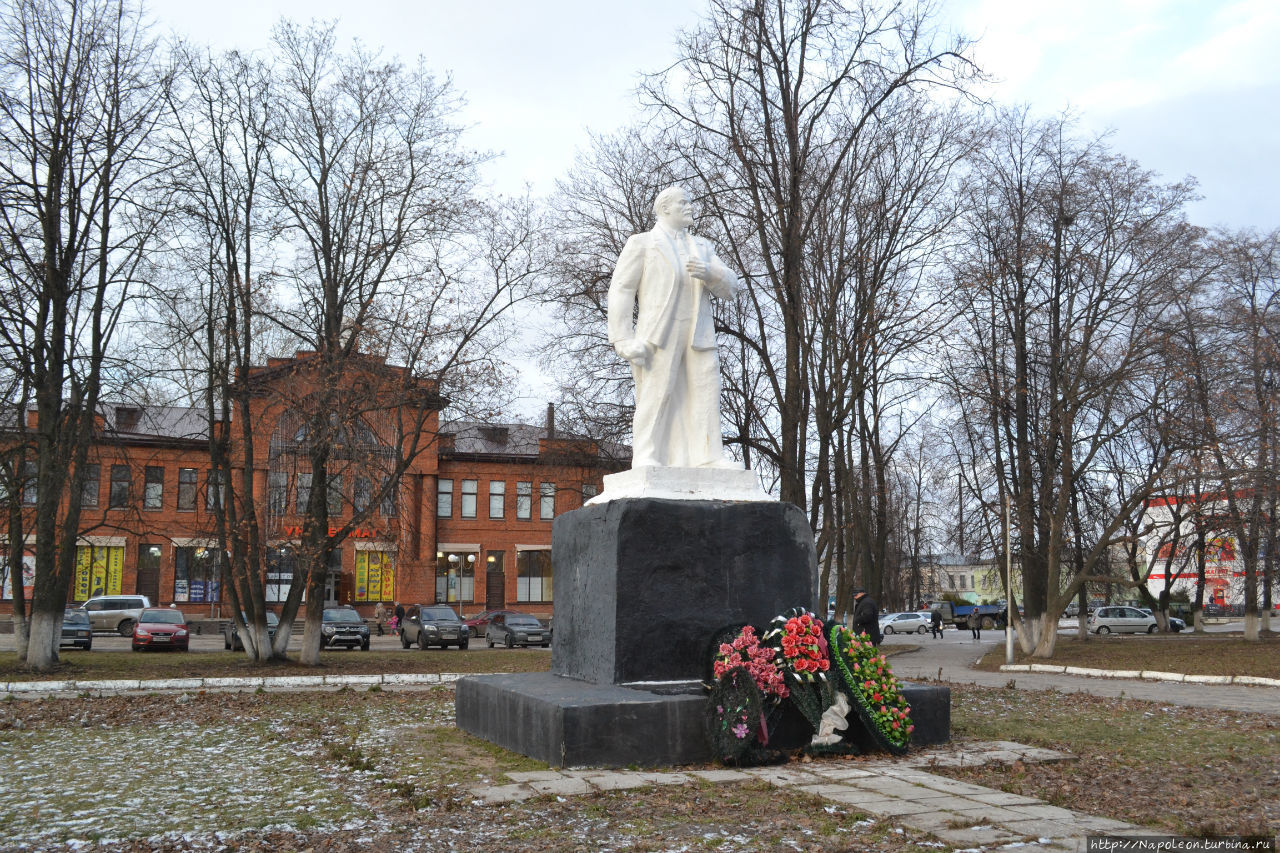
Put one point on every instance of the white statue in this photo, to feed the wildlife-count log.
(672, 344)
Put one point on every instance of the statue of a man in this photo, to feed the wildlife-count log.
(672, 344)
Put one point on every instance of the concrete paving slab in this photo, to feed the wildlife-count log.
(928, 821)
(1055, 830)
(894, 808)
(562, 787)
(987, 813)
(976, 836)
(1043, 810)
(843, 773)
(783, 776)
(534, 775)
(951, 786)
(617, 781)
(502, 794)
(654, 778)
(861, 800)
(824, 790)
(1001, 798)
(886, 787)
(718, 775)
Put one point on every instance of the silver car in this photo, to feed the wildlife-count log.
(904, 623)
(117, 613)
(1121, 620)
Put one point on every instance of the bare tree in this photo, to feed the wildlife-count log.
(765, 107)
(375, 192)
(80, 99)
(1072, 254)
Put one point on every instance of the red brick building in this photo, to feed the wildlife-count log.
(469, 523)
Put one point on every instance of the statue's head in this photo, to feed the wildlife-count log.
(673, 208)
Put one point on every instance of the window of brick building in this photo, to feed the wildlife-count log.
(524, 500)
(547, 501)
(391, 503)
(333, 494)
(30, 492)
(195, 574)
(497, 498)
(90, 475)
(213, 491)
(444, 498)
(186, 488)
(277, 492)
(121, 477)
(534, 576)
(361, 491)
(469, 489)
(153, 488)
(304, 492)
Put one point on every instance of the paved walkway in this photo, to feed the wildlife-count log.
(958, 813)
(951, 659)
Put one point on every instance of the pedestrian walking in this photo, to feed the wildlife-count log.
(379, 616)
(935, 623)
(975, 624)
(866, 616)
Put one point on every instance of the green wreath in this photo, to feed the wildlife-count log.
(874, 691)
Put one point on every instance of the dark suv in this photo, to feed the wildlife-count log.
(433, 625)
(231, 637)
(344, 627)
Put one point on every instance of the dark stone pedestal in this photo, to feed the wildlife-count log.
(569, 723)
(930, 712)
(643, 585)
(642, 588)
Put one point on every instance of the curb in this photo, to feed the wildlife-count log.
(1143, 675)
(269, 683)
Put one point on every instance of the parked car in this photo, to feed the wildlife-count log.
(476, 624)
(342, 626)
(433, 625)
(1121, 620)
(516, 629)
(231, 637)
(117, 613)
(161, 628)
(904, 623)
(1176, 625)
(76, 630)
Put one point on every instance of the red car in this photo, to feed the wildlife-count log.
(159, 628)
(476, 624)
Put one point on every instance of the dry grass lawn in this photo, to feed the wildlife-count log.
(1205, 654)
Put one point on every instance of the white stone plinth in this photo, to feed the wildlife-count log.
(683, 484)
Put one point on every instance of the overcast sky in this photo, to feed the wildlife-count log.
(1188, 87)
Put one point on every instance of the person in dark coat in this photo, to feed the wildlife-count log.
(975, 624)
(935, 623)
(866, 616)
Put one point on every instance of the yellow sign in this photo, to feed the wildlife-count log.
(375, 576)
(99, 571)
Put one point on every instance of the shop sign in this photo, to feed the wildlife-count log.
(295, 532)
